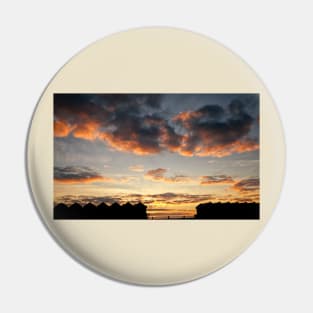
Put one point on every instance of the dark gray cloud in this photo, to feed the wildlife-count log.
(76, 175)
(213, 130)
(216, 180)
(139, 124)
(86, 175)
(247, 185)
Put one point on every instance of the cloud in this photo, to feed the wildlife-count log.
(125, 140)
(158, 175)
(180, 198)
(138, 124)
(216, 180)
(215, 131)
(78, 175)
(87, 130)
(167, 198)
(136, 168)
(86, 175)
(62, 128)
(247, 185)
(247, 190)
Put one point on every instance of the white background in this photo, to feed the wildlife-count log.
(275, 273)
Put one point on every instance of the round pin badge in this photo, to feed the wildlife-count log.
(155, 156)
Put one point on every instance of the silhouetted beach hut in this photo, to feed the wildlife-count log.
(102, 206)
(60, 211)
(75, 211)
(89, 211)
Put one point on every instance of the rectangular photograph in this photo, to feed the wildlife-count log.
(156, 156)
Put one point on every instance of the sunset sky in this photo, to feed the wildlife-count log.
(169, 151)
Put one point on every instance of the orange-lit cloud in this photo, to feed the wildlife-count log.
(220, 151)
(95, 179)
(62, 128)
(247, 185)
(87, 130)
(248, 190)
(186, 116)
(214, 131)
(83, 180)
(129, 144)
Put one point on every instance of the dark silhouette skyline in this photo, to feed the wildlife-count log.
(226, 210)
(102, 211)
